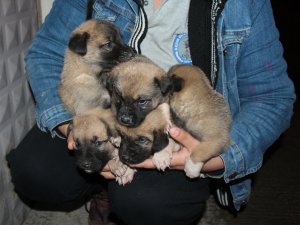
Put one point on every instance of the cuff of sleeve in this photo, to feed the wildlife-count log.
(234, 163)
(216, 174)
(52, 117)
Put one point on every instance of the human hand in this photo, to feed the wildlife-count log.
(106, 173)
(189, 143)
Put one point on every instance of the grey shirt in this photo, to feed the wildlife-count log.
(166, 41)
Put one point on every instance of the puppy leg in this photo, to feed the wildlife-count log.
(124, 174)
(203, 152)
(162, 159)
(127, 177)
(117, 167)
(166, 115)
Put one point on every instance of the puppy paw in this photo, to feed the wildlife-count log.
(127, 177)
(115, 141)
(120, 170)
(191, 169)
(117, 167)
(162, 159)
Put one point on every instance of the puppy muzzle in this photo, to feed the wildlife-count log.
(126, 119)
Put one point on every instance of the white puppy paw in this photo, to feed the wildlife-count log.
(162, 159)
(117, 167)
(127, 177)
(191, 169)
(120, 170)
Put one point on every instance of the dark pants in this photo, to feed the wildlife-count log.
(43, 170)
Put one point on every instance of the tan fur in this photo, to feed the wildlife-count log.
(135, 74)
(81, 88)
(95, 123)
(159, 119)
(199, 109)
(135, 78)
(205, 114)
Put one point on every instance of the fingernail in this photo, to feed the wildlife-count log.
(174, 131)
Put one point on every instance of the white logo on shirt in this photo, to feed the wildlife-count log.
(181, 49)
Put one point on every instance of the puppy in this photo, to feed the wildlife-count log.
(94, 46)
(150, 138)
(139, 88)
(199, 109)
(97, 142)
(134, 90)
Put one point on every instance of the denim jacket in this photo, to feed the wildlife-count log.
(251, 75)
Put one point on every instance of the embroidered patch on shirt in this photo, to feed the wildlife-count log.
(181, 49)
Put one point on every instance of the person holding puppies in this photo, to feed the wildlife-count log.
(235, 43)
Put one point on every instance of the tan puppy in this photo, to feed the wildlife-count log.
(139, 86)
(135, 90)
(150, 138)
(200, 110)
(94, 46)
(97, 142)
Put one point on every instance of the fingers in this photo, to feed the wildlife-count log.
(183, 138)
(107, 175)
(70, 141)
(147, 164)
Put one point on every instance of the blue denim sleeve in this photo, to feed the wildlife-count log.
(44, 61)
(265, 94)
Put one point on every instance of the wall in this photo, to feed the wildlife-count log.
(18, 24)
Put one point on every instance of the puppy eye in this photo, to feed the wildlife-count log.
(142, 101)
(142, 140)
(98, 143)
(107, 45)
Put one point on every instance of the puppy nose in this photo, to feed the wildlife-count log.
(124, 158)
(126, 119)
(85, 164)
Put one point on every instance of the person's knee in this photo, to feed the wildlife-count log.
(43, 170)
(38, 182)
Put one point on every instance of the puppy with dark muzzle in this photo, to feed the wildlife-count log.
(149, 139)
(97, 142)
(134, 90)
(138, 88)
(94, 46)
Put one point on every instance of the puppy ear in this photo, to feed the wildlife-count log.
(160, 141)
(108, 82)
(164, 85)
(177, 83)
(78, 43)
(104, 75)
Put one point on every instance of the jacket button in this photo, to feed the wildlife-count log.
(233, 175)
